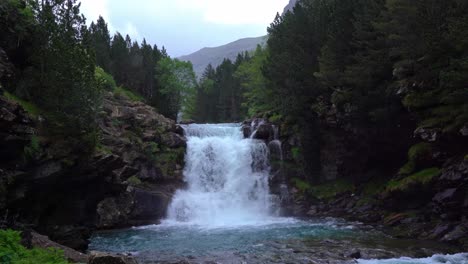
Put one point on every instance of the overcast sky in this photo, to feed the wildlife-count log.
(185, 26)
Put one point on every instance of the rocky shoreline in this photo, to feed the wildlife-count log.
(63, 193)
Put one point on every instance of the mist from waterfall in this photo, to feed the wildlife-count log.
(227, 177)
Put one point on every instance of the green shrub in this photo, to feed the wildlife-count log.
(104, 80)
(422, 177)
(12, 252)
(122, 92)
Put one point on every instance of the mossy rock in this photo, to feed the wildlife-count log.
(418, 154)
(423, 177)
(331, 189)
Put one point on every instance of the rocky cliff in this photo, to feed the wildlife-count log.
(63, 193)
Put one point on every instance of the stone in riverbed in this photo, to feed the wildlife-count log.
(108, 258)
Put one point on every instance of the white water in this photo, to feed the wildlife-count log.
(436, 259)
(227, 178)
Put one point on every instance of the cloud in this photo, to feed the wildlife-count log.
(184, 26)
(235, 12)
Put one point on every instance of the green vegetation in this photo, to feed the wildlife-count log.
(422, 177)
(296, 153)
(12, 252)
(416, 154)
(122, 92)
(331, 189)
(134, 181)
(29, 107)
(104, 80)
(32, 149)
(301, 185)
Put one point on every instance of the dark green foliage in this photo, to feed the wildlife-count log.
(12, 252)
(104, 80)
(220, 95)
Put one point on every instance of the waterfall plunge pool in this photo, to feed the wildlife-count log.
(228, 215)
(280, 240)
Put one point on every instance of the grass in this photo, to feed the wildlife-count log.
(12, 252)
(422, 177)
(331, 189)
(120, 91)
(29, 107)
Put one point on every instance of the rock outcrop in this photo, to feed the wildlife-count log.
(59, 191)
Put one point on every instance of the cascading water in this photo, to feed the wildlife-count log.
(227, 178)
(226, 215)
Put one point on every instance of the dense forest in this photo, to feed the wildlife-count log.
(50, 58)
(360, 61)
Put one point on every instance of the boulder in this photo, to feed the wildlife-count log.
(445, 196)
(32, 239)
(264, 132)
(115, 211)
(108, 258)
(150, 205)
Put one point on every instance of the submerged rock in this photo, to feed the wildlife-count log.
(108, 258)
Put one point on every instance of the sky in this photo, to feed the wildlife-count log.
(185, 26)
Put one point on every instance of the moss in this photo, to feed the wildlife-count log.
(151, 150)
(296, 153)
(331, 189)
(419, 150)
(33, 149)
(122, 92)
(415, 154)
(374, 187)
(301, 185)
(29, 107)
(103, 149)
(422, 177)
(134, 181)
(466, 157)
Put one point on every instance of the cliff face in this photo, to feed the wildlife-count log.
(59, 191)
(411, 179)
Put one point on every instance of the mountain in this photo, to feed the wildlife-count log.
(290, 6)
(216, 55)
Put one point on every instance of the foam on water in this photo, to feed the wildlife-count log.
(227, 178)
(436, 259)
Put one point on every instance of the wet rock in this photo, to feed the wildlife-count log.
(75, 237)
(355, 255)
(264, 132)
(444, 196)
(440, 230)
(108, 258)
(150, 205)
(458, 233)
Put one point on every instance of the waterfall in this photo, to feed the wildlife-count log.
(227, 178)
